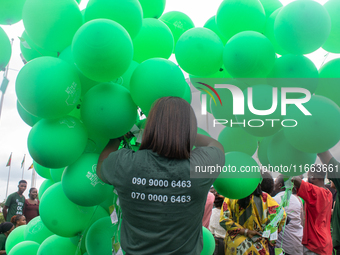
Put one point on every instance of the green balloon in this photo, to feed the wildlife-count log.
(55, 245)
(154, 40)
(99, 236)
(102, 50)
(269, 32)
(294, 71)
(48, 87)
(108, 110)
(199, 52)
(249, 54)
(208, 242)
(153, 79)
(56, 174)
(229, 182)
(125, 79)
(81, 183)
(31, 51)
(127, 13)
(56, 143)
(262, 125)
(52, 24)
(187, 93)
(270, 6)
(262, 152)
(329, 77)
(316, 133)
(85, 82)
(236, 139)
(235, 16)
(152, 8)
(17, 236)
(332, 42)
(60, 215)
(286, 158)
(44, 186)
(212, 25)
(96, 143)
(42, 171)
(36, 231)
(178, 22)
(302, 27)
(28, 118)
(10, 11)
(25, 247)
(6, 49)
(108, 202)
(219, 77)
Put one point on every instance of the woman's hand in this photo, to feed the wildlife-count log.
(252, 233)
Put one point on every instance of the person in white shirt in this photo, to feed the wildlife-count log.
(291, 237)
(214, 226)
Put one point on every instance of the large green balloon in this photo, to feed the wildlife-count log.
(302, 27)
(153, 79)
(55, 245)
(48, 87)
(44, 186)
(108, 109)
(316, 133)
(85, 82)
(28, 118)
(36, 231)
(262, 100)
(56, 143)
(128, 13)
(152, 8)
(42, 171)
(6, 49)
(60, 215)
(236, 139)
(51, 24)
(288, 160)
(269, 32)
(17, 236)
(125, 79)
(220, 77)
(10, 11)
(208, 242)
(332, 42)
(329, 80)
(262, 151)
(31, 51)
(294, 71)
(108, 201)
(230, 181)
(234, 16)
(56, 173)
(102, 50)
(178, 22)
(249, 55)
(212, 25)
(99, 237)
(199, 52)
(81, 183)
(187, 93)
(270, 6)
(25, 247)
(154, 40)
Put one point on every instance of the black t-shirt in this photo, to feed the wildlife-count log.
(162, 206)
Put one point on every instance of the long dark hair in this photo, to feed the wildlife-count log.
(244, 202)
(171, 128)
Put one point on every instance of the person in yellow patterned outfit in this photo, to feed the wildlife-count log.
(245, 219)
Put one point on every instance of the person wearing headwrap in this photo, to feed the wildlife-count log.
(5, 229)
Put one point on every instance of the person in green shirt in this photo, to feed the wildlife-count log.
(15, 202)
(333, 175)
(162, 203)
(5, 229)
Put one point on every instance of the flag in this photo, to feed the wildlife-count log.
(31, 166)
(9, 160)
(23, 161)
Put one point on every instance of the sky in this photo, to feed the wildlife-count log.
(14, 132)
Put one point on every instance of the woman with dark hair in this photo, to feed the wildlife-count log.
(18, 220)
(31, 209)
(245, 219)
(162, 206)
(5, 229)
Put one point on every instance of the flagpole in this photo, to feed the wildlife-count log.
(33, 178)
(9, 173)
(23, 167)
